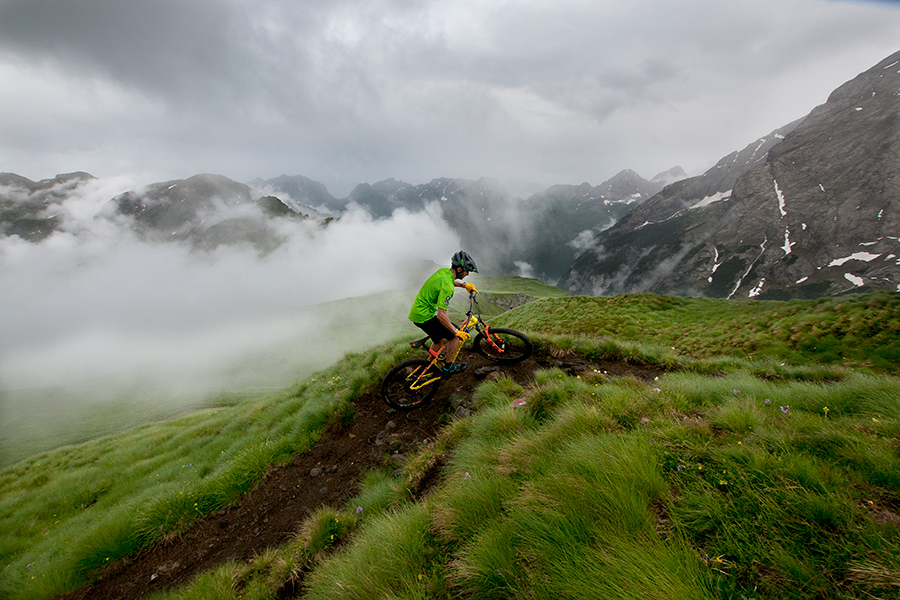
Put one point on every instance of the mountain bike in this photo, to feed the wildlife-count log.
(414, 381)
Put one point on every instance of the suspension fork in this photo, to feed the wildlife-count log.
(490, 338)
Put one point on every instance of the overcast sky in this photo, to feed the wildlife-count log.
(351, 91)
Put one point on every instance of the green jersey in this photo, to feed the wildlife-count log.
(435, 293)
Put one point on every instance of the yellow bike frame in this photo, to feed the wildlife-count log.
(428, 375)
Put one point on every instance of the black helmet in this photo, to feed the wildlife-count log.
(461, 259)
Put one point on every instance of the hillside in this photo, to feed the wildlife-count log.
(814, 214)
(40, 418)
(704, 451)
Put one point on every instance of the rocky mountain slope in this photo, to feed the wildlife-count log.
(814, 211)
(204, 211)
(31, 210)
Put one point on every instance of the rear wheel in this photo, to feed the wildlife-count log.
(504, 346)
(410, 384)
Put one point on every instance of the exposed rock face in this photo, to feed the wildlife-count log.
(564, 218)
(818, 216)
(31, 209)
(205, 210)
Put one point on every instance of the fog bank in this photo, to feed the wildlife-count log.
(93, 314)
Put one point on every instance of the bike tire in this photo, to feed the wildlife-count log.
(512, 346)
(395, 387)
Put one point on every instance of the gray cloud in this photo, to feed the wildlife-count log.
(162, 47)
(352, 91)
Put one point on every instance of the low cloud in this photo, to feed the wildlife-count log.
(524, 269)
(95, 301)
(584, 241)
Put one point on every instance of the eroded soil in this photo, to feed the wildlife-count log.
(327, 475)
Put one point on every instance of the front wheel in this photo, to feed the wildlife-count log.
(410, 383)
(504, 346)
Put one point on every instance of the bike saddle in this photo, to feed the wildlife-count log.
(419, 343)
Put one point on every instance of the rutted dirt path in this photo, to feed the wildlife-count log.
(327, 475)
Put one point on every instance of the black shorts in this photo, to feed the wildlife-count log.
(436, 330)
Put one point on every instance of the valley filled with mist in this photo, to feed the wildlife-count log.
(102, 327)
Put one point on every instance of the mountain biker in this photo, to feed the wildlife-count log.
(429, 310)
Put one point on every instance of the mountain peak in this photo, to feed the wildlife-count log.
(674, 174)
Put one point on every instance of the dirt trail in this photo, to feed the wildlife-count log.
(327, 475)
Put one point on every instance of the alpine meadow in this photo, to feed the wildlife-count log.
(658, 447)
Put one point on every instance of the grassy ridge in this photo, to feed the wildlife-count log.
(766, 480)
(70, 511)
(688, 488)
(42, 418)
(856, 331)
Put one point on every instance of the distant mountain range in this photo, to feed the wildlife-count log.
(536, 236)
(809, 210)
(539, 236)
